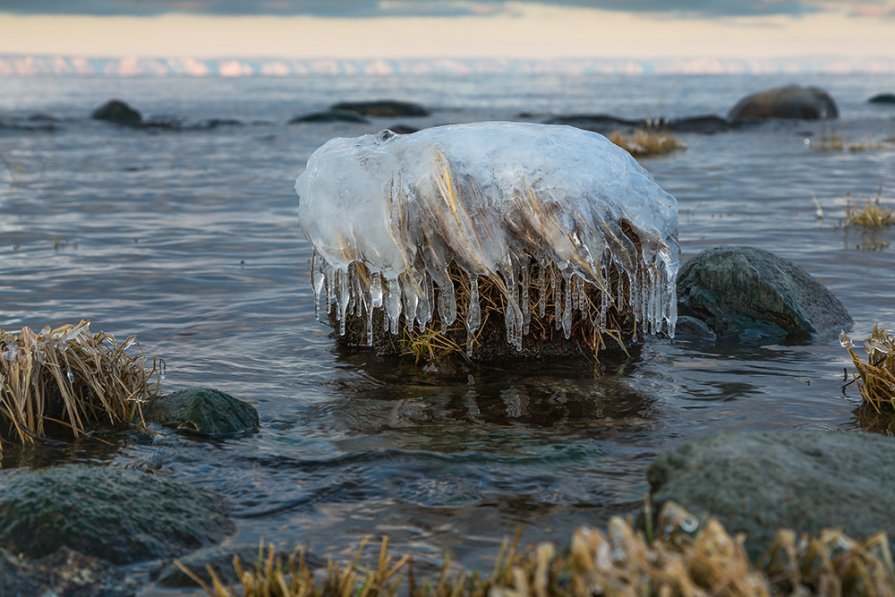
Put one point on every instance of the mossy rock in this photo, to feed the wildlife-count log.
(203, 411)
(118, 515)
(118, 112)
(754, 294)
(758, 482)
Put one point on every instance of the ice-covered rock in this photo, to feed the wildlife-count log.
(548, 215)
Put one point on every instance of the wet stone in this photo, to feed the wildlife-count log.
(118, 112)
(118, 515)
(751, 293)
(807, 481)
(203, 411)
(788, 102)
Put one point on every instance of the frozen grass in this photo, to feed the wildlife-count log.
(873, 215)
(875, 376)
(68, 380)
(682, 559)
(644, 144)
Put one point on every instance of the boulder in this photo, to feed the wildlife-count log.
(118, 112)
(403, 129)
(115, 514)
(787, 102)
(753, 294)
(597, 123)
(383, 108)
(203, 411)
(706, 124)
(331, 116)
(883, 98)
(758, 482)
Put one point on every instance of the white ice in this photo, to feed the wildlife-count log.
(488, 197)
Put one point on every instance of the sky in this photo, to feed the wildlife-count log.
(450, 28)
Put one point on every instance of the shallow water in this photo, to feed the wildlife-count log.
(190, 240)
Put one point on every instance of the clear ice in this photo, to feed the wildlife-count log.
(487, 198)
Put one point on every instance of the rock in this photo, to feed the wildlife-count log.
(403, 129)
(383, 108)
(220, 558)
(757, 483)
(751, 293)
(118, 515)
(204, 411)
(331, 116)
(598, 123)
(707, 124)
(118, 112)
(787, 102)
(883, 98)
(65, 573)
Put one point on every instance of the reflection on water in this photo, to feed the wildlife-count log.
(191, 241)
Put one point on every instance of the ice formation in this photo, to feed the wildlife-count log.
(489, 199)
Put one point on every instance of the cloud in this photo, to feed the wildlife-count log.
(439, 8)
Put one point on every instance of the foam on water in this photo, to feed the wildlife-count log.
(487, 198)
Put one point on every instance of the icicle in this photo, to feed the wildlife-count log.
(524, 301)
(344, 295)
(474, 314)
(567, 310)
(375, 290)
(393, 306)
(542, 289)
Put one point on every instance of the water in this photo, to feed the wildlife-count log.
(190, 240)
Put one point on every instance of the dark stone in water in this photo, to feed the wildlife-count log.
(118, 112)
(883, 98)
(331, 116)
(757, 483)
(403, 129)
(787, 102)
(203, 411)
(383, 108)
(220, 558)
(65, 573)
(751, 293)
(604, 123)
(118, 515)
(598, 123)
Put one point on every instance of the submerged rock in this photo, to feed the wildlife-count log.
(787, 102)
(706, 124)
(203, 411)
(331, 116)
(751, 293)
(882, 98)
(114, 514)
(383, 108)
(757, 483)
(64, 573)
(597, 123)
(403, 129)
(118, 112)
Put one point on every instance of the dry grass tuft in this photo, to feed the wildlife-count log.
(682, 559)
(835, 142)
(66, 380)
(644, 144)
(875, 376)
(872, 215)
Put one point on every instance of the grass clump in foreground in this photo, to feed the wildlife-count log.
(875, 376)
(66, 380)
(683, 559)
(644, 144)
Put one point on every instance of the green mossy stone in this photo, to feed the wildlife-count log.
(203, 411)
(758, 482)
(118, 515)
(752, 293)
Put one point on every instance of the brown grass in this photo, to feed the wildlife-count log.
(835, 142)
(873, 215)
(644, 144)
(875, 376)
(683, 558)
(67, 380)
